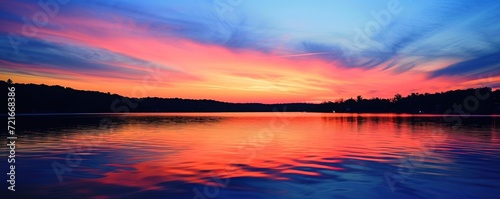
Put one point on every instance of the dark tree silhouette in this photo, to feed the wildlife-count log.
(359, 98)
(33, 98)
(397, 97)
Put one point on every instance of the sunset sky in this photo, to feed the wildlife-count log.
(252, 50)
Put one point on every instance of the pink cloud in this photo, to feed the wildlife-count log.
(215, 72)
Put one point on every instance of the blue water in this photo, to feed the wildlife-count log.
(255, 155)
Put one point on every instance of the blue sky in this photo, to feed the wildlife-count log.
(454, 43)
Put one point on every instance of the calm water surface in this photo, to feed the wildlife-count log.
(256, 155)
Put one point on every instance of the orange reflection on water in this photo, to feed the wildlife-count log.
(197, 148)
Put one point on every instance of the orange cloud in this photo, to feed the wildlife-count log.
(198, 70)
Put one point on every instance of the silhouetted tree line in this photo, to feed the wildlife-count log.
(31, 98)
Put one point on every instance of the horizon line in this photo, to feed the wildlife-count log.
(200, 99)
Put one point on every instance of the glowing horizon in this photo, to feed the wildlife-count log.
(249, 53)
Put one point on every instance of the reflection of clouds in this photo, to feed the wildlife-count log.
(176, 152)
(63, 125)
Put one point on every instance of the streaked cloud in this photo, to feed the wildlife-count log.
(256, 51)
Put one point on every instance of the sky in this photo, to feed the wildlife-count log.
(252, 50)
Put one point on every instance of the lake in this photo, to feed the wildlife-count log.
(256, 155)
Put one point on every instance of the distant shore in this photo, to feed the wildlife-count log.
(252, 114)
(36, 99)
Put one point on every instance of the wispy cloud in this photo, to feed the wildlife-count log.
(256, 51)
